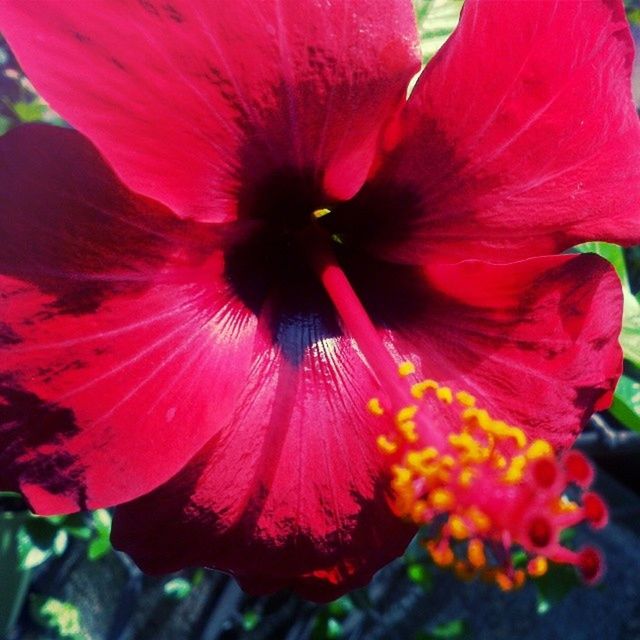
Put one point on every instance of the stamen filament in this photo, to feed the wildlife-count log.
(358, 323)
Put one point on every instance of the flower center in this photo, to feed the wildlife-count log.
(482, 487)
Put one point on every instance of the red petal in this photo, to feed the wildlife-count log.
(114, 331)
(535, 341)
(190, 100)
(291, 493)
(520, 138)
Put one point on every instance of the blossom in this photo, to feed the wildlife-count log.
(197, 310)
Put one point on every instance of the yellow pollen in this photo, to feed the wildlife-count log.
(470, 448)
(375, 407)
(406, 413)
(385, 445)
(441, 554)
(464, 571)
(406, 369)
(442, 499)
(418, 510)
(564, 505)
(503, 581)
(518, 435)
(516, 469)
(475, 553)
(457, 526)
(499, 461)
(465, 399)
(401, 476)
(479, 416)
(479, 519)
(537, 566)
(420, 388)
(320, 213)
(417, 460)
(445, 395)
(465, 479)
(408, 430)
(519, 578)
(538, 449)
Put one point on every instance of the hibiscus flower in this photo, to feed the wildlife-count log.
(197, 310)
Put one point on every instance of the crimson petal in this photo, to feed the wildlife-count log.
(190, 100)
(116, 326)
(520, 138)
(291, 493)
(535, 341)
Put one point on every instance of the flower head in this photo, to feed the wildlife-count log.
(196, 311)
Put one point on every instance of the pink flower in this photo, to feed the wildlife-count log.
(169, 335)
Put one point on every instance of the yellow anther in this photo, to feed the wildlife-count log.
(464, 571)
(418, 510)
(408, 430)
(471, 450)
(519, 578)
(445, 395)
(406, 369)
(539, 449)
(477, 416)
(420, 388)
(401, 476)
(499, 461)
(375, 407)
(515, 471)
(462, 441)
(537, 566)
(441, 499)
(564, 505)
(385, 445)
(440, 553)
(465, 479)
(320, 213)
(406, 413)
(447, 462)
(519, 436)
(465, 398)
(480, 521)
(417, 460)
(502, 430)
(458, 528)
(503, 581)
(475, 553)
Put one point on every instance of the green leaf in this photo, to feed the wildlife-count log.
(611, 252)
(14, 579)
(101, 544)
(30, 111)
(178, 588)
(98, 548)
(334, 629)
(63, 618)
(449, 630)
(420, 574)
(102, 520)
(626, 403)
(436, 21)
(630, 334)
(40, 538)
(341, 607)
(250, 620)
